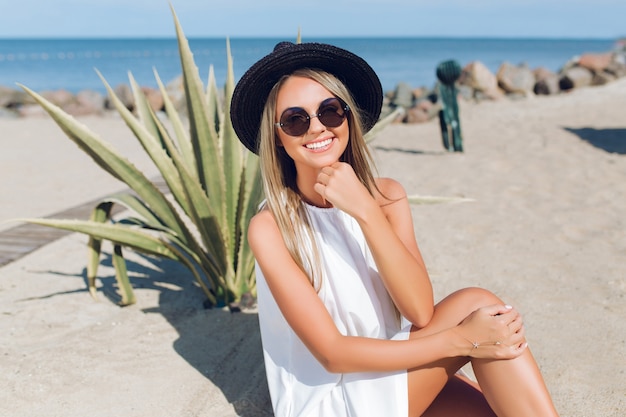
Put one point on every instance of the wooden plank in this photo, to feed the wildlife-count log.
(24, 238)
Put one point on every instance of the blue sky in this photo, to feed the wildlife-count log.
(276, 18)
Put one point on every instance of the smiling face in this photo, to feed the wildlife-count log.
(319, 146)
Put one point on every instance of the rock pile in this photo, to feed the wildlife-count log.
(478, 83)
(17, 103)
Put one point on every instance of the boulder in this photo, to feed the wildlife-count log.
(575, 77)
(602, 78)
(61, 98)
(403, 96)
(595, 62)
(548, 85)
(416, 115)
(477, 76)
(430, 108)
(515, 79)
(125, 94)
(421, 92)
(547, 81)
(617, 68)
(86, 102)
(154, 97)
(12, 98)
(541, 73)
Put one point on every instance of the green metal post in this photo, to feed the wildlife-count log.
(448, 72)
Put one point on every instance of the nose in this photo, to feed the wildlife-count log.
(315, 124)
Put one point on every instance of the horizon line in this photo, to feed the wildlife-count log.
(274, 37)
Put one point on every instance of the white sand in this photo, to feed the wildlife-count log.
(545, 232)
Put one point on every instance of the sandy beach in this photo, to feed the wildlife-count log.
(545, 230)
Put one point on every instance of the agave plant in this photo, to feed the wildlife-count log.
(213, 187)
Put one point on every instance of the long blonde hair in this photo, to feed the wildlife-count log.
(279, 174)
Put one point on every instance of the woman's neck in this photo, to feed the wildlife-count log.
(308, 194)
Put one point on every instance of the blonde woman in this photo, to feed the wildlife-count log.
(348, 321)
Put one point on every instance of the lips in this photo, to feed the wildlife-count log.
(319, 144)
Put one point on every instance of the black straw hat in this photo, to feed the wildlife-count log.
(254, 87)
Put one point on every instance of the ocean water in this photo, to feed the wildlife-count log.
(49, 64)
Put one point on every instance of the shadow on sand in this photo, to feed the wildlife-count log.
(224, 347)
(611, 140)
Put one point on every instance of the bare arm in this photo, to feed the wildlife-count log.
(308, 317)
(388, 229)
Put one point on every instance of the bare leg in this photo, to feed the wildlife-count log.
(459, 397)
(512, 387)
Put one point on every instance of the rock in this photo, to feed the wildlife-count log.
(595, 62)
(477, 76)
(575, 77)
(416, 115)
(547, 81)
(541, 73)
(86, 102)
(602, 78)
(403, 96)
(617, 68)
(515, 79)
(154, 97)
(548, 85)
(125, 94)
(431, 109)
(421, 92)
(11, 98)
(61, 98)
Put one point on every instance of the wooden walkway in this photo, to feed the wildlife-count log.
(25, 238)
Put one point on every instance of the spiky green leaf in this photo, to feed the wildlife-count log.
(204, 138)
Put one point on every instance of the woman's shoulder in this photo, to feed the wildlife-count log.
(390, 191)
(262, 223)
(262, 219)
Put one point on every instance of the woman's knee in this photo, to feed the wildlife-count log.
(476, 297)
(457, 306)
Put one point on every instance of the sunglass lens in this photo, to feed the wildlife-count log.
(295, 122)
(331, 114)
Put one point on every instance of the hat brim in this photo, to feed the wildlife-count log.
(252, 90)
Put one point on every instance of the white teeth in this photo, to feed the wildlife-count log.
(318, 145)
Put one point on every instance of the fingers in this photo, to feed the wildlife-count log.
(516, 325)
(324, 176)
(323, 180)
(498, 309)
(320, 189)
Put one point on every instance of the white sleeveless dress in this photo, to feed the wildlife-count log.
(359, 304)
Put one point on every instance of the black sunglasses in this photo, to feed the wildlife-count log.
(295, 121)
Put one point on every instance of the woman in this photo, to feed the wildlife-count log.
(348, 321)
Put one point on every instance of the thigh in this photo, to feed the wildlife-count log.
(427, 382)
(459, 397)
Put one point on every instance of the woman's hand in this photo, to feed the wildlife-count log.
(339, 185)
(493, 332)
